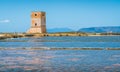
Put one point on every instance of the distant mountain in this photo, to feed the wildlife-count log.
(101, 29)
(60, 30)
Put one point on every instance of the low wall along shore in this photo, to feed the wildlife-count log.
(17, 35)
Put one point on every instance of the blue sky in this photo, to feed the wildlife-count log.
(74, 14)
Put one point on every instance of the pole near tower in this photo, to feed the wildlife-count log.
(38, 22)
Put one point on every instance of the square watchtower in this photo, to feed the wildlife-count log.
(38, 22)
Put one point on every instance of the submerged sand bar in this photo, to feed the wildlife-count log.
(46, 48)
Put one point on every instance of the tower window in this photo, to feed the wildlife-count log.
(35, 24)
(35, 14)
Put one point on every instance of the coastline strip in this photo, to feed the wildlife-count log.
(46, 48)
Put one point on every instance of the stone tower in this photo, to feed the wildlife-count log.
(38, 22)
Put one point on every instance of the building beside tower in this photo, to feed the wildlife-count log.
(38, 22)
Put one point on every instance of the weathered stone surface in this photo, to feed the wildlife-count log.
(38, 23)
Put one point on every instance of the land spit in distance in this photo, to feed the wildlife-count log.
(59, 34)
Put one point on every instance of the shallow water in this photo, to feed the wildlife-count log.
(19, 59)
(59, 61)
(63, 42)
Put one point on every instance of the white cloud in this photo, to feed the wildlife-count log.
(4, 21)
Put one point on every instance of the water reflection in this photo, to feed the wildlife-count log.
(59, 61)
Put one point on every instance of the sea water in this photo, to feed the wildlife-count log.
(63, 42)
(30, 60)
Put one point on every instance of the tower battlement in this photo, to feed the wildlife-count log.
(38, 22)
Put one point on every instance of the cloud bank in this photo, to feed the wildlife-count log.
(4, 21)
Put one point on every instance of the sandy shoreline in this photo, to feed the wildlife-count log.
(17, 35)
